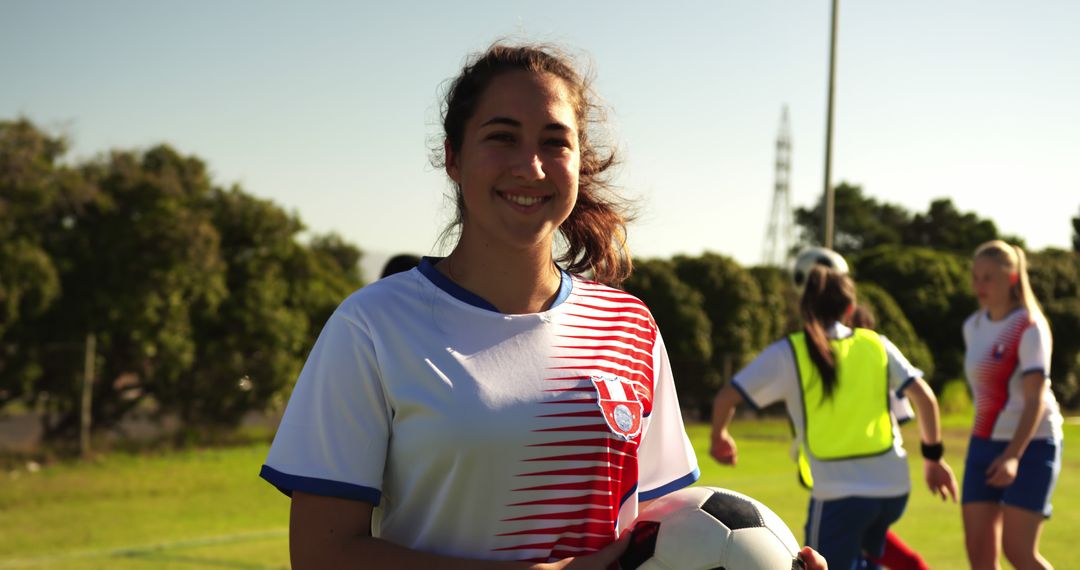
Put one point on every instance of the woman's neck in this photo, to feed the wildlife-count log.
(998, 312)
(514, 281)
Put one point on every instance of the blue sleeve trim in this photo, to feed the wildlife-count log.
(904, 386)
(1038, 369)
(746, 397)
(686, 480)
(288, 483)
(628, 494)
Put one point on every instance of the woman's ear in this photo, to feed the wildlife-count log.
(452, 168)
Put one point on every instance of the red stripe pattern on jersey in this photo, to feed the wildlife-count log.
(994, 371)
(579, 472)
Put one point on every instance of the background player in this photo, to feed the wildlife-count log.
(834, 382)
(1014, 456)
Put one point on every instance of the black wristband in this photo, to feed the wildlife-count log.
(933, 451)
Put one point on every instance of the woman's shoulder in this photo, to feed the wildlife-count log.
(380, 294)
(589, 289)
(596, 295)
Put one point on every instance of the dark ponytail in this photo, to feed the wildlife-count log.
(827, 296)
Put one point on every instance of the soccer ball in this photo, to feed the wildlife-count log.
(708, 528)
(811, 256)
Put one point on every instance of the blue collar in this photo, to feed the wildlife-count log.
(427, 268)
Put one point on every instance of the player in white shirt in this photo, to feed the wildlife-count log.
(1014, 456)
(489, 409)
(834, 382)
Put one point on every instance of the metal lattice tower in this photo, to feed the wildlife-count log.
(780, 233)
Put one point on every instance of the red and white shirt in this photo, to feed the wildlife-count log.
(998, 355)
(485, 435)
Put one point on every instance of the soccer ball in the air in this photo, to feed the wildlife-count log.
(708, 528)
(811, 256)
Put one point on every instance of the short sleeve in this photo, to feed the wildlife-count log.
(901, 371)
(770, 377)
(1035, 350)
(333, 437)
(666, 460)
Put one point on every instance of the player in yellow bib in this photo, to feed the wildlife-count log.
(835, 383)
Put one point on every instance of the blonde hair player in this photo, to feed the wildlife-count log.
(1014, 456)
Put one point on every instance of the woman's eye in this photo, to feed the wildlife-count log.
(559, 143)
(500, 137)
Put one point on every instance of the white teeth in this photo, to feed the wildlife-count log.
(523, 200)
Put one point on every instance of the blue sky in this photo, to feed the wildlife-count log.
(329, 108)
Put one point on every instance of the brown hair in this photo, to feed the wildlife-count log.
(862, 317)
(1014, 261)
(827, 296)
(595, 231)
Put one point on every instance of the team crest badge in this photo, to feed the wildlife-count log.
(620, 404)
(999, 351)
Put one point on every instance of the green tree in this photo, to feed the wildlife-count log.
(250, 346)
(733, 305)
(140, 265)
(892, 323)
(280, 293)
(1055, 279)
(861, 222)
(679, 312)
(779, 304)
(933, 289)
(864, 223)
(1076, 233)
(945, 227)
(38, 199)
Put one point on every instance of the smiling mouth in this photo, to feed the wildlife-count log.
(525, 201)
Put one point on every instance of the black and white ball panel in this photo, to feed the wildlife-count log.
(708, 528)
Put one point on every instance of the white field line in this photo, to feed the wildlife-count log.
(129, 551)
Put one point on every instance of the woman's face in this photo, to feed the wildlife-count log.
(519, 161)
(992, 283)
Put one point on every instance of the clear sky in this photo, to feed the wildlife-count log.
(329, 108)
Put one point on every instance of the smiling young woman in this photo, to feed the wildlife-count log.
(492, 409)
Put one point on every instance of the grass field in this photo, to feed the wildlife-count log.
(208, 509)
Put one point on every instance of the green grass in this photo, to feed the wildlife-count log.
(931, 527)
(208, 509)
(189, 509)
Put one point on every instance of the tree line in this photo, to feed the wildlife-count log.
(204, 300)
(912, 271)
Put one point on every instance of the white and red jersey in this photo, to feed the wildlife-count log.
(998, 355)
(485, 435)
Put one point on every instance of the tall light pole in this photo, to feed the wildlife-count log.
(829, 201)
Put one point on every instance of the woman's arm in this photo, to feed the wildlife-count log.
(939, 476)
(723, 447)
(328, 532)
(1002, 471)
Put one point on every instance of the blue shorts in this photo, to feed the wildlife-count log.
(843, 529)
(1036, 475)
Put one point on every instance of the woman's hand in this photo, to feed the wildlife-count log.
(603, 559)
(940, 479)
(812, 560)
(723, 447)
(1002, 472)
